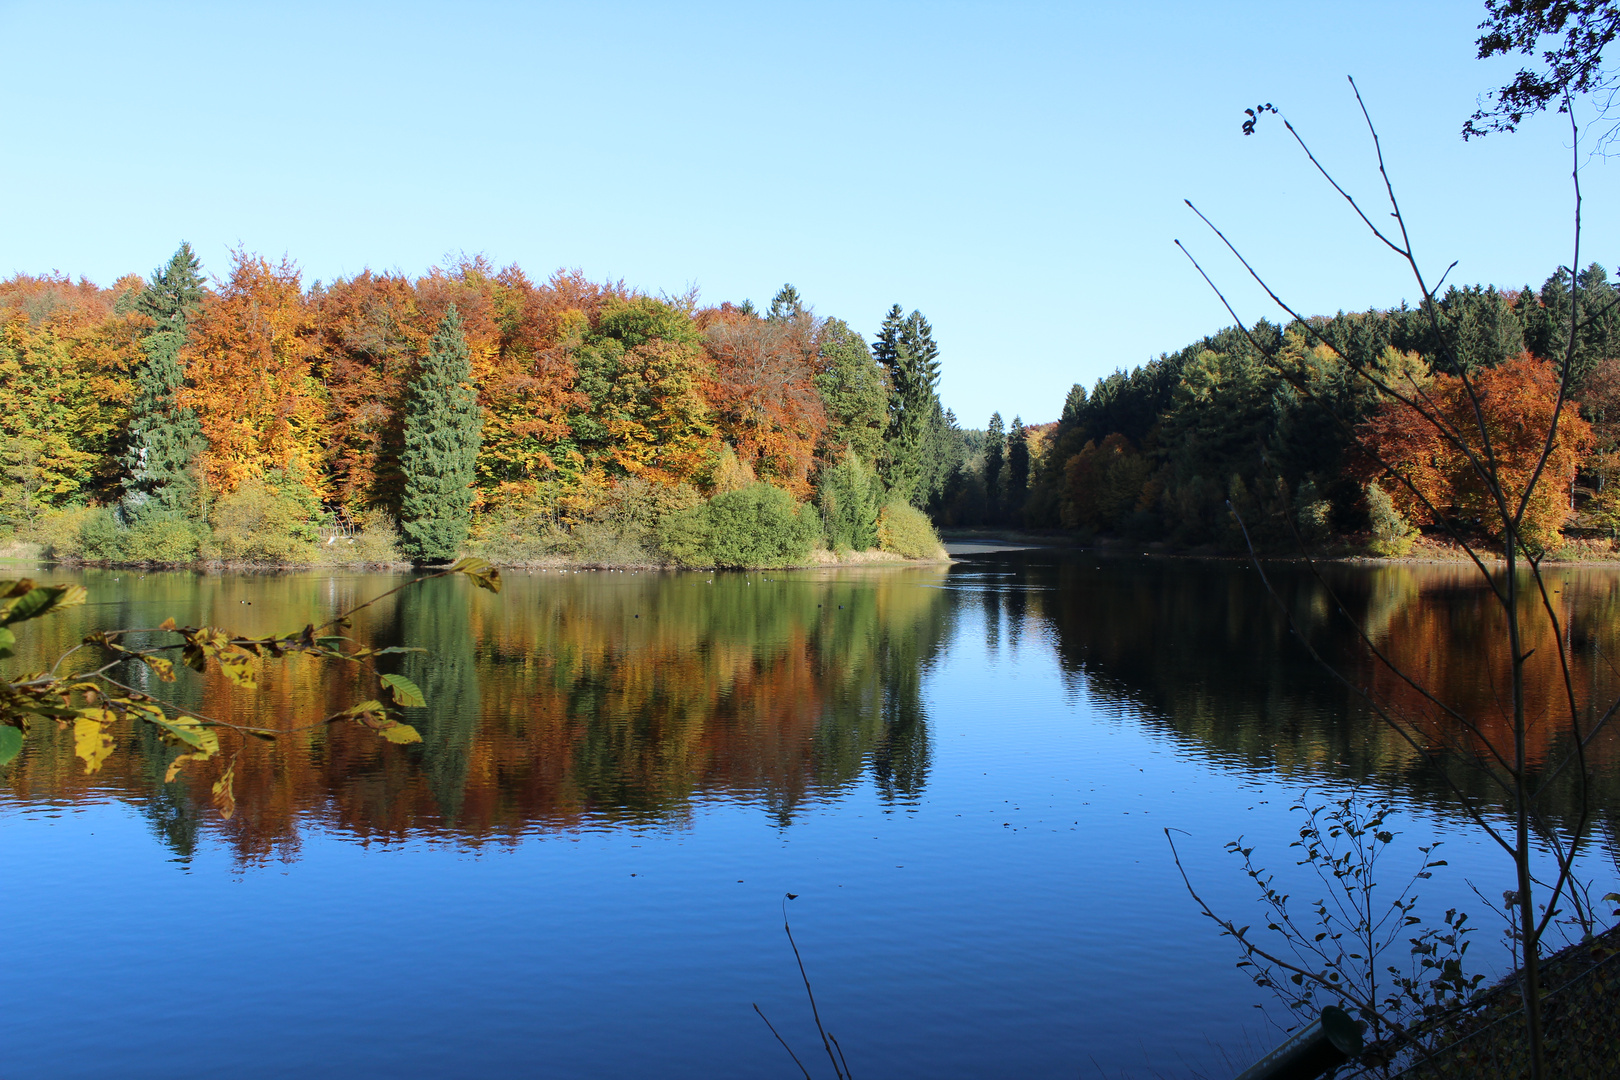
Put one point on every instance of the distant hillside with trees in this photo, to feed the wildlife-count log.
(1275, 425)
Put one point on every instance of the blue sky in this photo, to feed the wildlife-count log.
(1014, 170)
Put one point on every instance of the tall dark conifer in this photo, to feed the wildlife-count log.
(1017, 470)
(786, 305)
(1074, 405)
(443, 433)
(905, 347)
(163, 435)
(995, 456)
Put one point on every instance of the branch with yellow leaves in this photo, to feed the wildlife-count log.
(92, 701)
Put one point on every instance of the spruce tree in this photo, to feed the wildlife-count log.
(905, 348)
(850, 496)
(443, 433)
(1074, 405)
(947, 456)
(1017, 470)
(995, 449)
(163, 435)
(786, 305)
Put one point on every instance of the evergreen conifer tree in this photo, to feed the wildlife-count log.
(163, 436)
(443, 433)
(786, 305)
(995, 449)
(1074, 405)
(850, 496)
(947, 456)
(1017, 469)
(906, 349)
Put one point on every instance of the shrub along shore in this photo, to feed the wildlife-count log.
(752, 526)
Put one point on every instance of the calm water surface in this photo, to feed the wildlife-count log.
(963, 773)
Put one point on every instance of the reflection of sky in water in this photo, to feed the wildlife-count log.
(1019, 915)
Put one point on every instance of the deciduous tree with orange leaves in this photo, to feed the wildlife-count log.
(369, 332)
(252, 384)
(764, 394)
(1505, 419)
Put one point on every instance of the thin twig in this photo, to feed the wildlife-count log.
(783, 1041)
(811, 994)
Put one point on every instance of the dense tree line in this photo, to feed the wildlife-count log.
(1277, 423)
(166, 416)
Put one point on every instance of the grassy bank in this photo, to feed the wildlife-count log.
(754, 527)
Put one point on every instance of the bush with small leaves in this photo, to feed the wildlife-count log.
(753, 527)
(1313, 515)
(851, 497)
(99, 539)
(906, 531)
(1392, 534)
(262, 522)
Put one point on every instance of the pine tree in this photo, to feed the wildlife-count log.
(786, 305)
(906, 349)
(1074, 405)
(443, 432)
(1017, 470)
(163, 436)
(995, 448)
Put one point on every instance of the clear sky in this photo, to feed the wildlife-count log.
(1014, 170)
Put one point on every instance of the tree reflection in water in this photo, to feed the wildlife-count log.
(627, 700)
(571, 700)
(1198, 647)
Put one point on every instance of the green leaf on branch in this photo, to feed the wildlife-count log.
(405, 692)
(11, 743)
(7, 641)
(482, 571)
(41, 708)
(188, 731)
(401, 733)
(41, 600)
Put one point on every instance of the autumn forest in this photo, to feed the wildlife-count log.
(164, 419)
(260, 418)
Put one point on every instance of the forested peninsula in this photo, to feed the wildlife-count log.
(256, 419)
(1280, 428)
(379, 419)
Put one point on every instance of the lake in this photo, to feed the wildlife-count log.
(963, 773)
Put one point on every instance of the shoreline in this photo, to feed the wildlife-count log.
(956, 543)
(820, 560)
(1425, 553)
